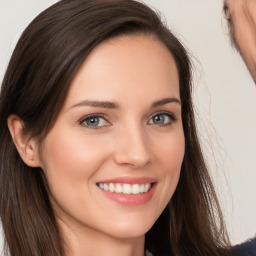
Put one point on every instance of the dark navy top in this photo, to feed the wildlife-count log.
(247, 248)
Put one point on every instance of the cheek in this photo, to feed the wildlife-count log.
(172, 152)
(69, 164)
(71, 155)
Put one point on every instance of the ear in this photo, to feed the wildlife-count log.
(26, 146)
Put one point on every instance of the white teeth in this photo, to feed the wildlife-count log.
(147, 186)
(135, 189)
(127, 189)
(118, 188)
(111, 187)
(105, 187)
(142, 188)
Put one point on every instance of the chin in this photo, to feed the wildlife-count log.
(131, 230)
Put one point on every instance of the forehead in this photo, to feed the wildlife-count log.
(126, 66)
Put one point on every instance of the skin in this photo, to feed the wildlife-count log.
(132, 73)
(241, 15)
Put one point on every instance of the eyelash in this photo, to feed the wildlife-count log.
(171, 116)
(83, 120)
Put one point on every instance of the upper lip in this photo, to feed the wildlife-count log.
(130, 180)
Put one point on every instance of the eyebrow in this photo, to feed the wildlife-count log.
(112, 105)
(97, 104)
(165, 101)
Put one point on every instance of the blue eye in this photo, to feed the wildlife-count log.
(162, 119)
(94, 121)
(159, 119)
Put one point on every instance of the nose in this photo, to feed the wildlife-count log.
(132, 148)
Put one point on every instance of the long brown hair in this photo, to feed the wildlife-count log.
(44, 62)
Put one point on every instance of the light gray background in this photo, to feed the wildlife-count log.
(225, 97)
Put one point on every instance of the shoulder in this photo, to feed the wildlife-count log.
(248, 248)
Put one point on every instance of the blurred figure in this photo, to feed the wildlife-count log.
(241, 17)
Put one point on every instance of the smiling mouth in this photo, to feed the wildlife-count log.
(125, 188)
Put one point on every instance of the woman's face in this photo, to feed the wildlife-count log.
(112, 160)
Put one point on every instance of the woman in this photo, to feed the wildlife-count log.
(99, 149)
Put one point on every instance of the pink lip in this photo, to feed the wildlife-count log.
(130, 180)
(130, 199)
